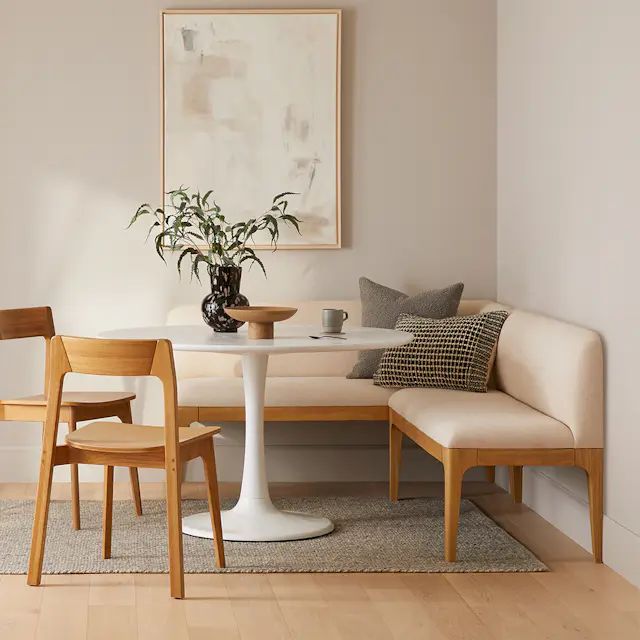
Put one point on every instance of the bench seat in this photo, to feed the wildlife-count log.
(460, 420)
(284, 392)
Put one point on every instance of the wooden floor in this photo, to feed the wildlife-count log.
(577, 599)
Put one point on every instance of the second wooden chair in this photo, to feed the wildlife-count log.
(76, 406)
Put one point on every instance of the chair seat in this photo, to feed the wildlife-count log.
(492, 420)
(118, 437)
(327, 391)
(75, 398)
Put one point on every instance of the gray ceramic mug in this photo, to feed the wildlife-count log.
(332, 320)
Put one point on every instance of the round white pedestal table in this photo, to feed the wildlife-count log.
(255, 518)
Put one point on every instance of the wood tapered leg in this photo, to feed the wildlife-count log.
(135, 490)
(395, 456)
(209, 461)
(456, 462)
(515, 483)
(107, 512)
(591, 460)
(75, 486)
(41, 513)
(174, 526)
(491, 474)
(125, 416)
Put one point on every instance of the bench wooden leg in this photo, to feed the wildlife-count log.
(515, 483)
(591, 460)
(395, 455)
(456, 462)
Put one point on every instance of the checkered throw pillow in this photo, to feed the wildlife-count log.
(452, 353)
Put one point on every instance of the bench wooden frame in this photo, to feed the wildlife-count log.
(187, 415)
(457, 461)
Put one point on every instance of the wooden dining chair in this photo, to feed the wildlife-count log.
(114, 444)
(76, 406)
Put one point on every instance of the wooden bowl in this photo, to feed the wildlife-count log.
(260, 319)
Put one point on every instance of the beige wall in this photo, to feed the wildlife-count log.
(568, 225)
(79, 122)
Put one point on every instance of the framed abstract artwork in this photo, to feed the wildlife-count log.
(251, 108)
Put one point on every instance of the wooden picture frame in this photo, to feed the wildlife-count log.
(318, 206)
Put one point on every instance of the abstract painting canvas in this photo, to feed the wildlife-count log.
(251, 108)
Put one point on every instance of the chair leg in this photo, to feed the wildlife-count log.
(75, 485)
(395, 456)
(515, 483)
(209, 461)
(591, 460)
(107, 512)
(135, 489)
(41, 514)
(491, 474)
(125, 416)
(174, 526)
(456, 462)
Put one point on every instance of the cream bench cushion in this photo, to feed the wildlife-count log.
(492, 420)
(284, 392)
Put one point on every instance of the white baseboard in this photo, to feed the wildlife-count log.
(622, 550)
(567, 510)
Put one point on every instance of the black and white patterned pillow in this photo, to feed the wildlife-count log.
(452, 353)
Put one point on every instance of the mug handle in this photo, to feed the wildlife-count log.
(345, 316)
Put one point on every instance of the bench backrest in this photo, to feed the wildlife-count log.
(196, 365)
(557, 368)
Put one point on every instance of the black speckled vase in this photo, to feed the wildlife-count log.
(225, 292)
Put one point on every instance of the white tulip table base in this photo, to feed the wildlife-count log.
(259, 521)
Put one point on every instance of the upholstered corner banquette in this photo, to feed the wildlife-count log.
(544, 407)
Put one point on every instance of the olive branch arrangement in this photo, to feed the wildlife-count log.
(194, 225)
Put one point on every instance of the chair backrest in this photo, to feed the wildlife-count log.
(30, 322)
(95, 356)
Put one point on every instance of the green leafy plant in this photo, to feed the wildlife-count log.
(193, 225)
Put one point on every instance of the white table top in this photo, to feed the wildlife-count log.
(289, 338)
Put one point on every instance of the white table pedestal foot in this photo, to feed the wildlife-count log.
(255, 518)
(259, 521)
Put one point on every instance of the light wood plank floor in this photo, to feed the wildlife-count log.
(577, 599)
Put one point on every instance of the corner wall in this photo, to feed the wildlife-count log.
(568, 223)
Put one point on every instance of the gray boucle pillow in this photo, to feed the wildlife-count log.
(382, 305)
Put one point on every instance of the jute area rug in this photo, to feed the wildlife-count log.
(371, 535)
